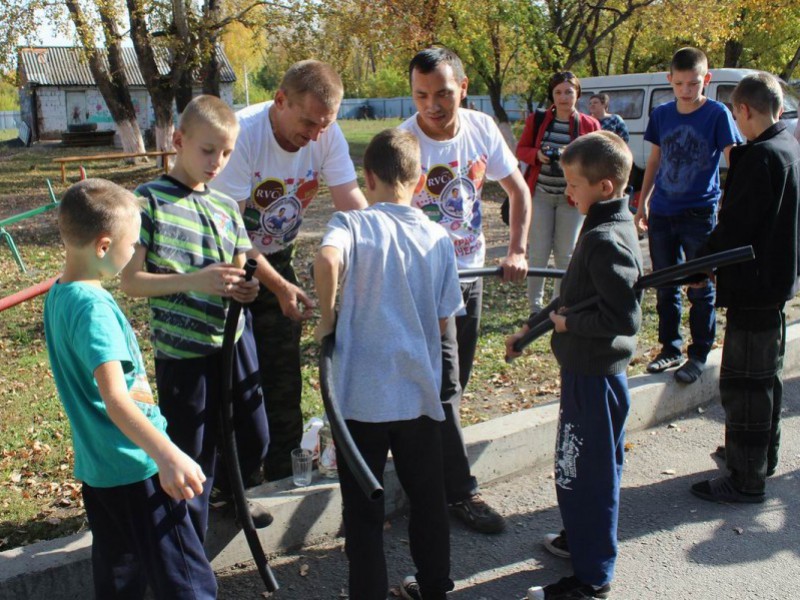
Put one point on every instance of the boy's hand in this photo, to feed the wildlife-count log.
(323, 329)
(515, 268)
(542, 158)
(245, 291)
(640, 220)
(290, 298)
(180, 477)
(511, 340)
(560, 321)
(218, 279)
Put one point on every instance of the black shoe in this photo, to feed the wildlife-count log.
(569, 588)
(261, 516)
(663, 361)
(690, 371)
(477, 515)
(556, 543)
(721, 489)
(719, 454)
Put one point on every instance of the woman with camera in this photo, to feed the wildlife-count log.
(556, 221)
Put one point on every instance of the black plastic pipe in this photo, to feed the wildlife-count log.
(695, 270)
(498, 272)
(691, 271)
(345, 446)
(229, 441)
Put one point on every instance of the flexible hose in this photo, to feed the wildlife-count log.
(691, 271)
(229, 441)
(345, 446)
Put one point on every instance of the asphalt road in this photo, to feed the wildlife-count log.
(672, 545)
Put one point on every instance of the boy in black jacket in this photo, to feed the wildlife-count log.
(593, 348)
(760, 208)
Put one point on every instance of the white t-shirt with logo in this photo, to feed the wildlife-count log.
(453, 173)
(279, 185)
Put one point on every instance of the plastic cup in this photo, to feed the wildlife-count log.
(301, 466)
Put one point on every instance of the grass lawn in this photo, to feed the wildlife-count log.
(38, 497)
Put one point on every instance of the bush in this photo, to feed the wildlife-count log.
(9, 96)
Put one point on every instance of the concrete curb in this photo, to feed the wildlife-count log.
(61, 569)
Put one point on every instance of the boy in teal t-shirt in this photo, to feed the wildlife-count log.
(135, 480)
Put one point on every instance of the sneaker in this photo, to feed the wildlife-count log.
(689, 371)
(556, 543)
(568, 588)
(721, 489)
(477, 515)
(719, 457)
(663, 361)
(410, 589)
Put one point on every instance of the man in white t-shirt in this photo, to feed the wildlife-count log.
(460, 150)
(285, 149)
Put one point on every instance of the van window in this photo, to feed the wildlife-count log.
(661, 96)
(790, 99)
(724, 95)
(628, 104)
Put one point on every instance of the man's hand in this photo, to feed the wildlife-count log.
(515, 267)
(180, 477)
(291, 298)
(245, 291)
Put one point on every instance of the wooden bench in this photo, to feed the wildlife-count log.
(112, 156)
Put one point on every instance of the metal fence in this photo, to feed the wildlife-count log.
(9, 119)
(403, 107)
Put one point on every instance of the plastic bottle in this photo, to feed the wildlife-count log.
(327, 451)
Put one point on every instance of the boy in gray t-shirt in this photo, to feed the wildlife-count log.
(399, 286)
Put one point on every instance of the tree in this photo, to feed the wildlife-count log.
(108, 69)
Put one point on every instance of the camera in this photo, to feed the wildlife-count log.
(553, 153)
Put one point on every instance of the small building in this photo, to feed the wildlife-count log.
(57, 90)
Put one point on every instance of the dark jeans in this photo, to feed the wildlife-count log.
(278, 344)
(590, 453)
(458, 351)
(141, 537)
(189, 393)
(751, 388)
(673, 240)
(416, 449)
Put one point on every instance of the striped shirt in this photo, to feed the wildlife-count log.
(551, 177)
(185, 231)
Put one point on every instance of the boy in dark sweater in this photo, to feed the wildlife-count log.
(593, 347)
(760, 208)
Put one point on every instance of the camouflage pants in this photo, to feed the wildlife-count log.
(278, 345)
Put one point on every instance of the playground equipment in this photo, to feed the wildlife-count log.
(6, 236)
(30, 292)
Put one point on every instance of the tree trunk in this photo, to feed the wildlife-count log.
(110, 76)
(130, 137)
(786, 74)
(733, 54)
(495, 95)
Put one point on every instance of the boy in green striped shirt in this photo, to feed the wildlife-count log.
(189, 263)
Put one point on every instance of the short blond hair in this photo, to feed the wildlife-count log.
(208, 111)
(600, 155)
(92, 208)
(316, 78)
(393, 157)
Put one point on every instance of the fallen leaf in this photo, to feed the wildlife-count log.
(629, 446)
(668, 472)
(304, 569)
(738, 530)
